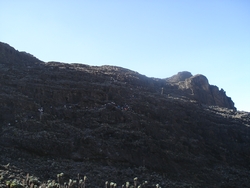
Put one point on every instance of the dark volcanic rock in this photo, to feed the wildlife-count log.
(115, 124)
(14, 59)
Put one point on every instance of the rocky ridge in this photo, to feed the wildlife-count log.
(115, 124)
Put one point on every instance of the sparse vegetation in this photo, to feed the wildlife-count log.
(31, 182)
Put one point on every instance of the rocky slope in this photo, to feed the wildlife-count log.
(113, 124)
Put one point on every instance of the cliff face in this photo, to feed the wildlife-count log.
(111, 122)
(198, 88)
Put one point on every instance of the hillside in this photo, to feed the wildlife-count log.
(114, 124)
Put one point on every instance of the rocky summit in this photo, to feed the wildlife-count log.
(68, 125)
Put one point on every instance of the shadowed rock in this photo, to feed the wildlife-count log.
(111, 122)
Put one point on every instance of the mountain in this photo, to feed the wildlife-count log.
(114, 124)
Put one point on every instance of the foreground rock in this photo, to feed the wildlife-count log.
(113, 124)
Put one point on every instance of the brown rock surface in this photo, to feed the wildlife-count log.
(198, 88)
(113, 124)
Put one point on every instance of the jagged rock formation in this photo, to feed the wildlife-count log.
(180, 76)
(198, 88)
(113, 123)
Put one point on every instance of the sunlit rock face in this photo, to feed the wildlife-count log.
(198, 88)
(180, 76)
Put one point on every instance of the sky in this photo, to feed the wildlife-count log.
(157, 38)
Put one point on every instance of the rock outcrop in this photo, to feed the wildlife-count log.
(199, 89)
(180, 76)
(111, 123)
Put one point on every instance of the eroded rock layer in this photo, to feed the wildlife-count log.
(113, 123)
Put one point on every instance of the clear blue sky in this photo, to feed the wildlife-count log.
(157, 38)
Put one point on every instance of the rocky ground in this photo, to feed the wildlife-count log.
(112, 124)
